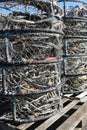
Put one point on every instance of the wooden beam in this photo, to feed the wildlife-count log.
(65, 100)
(74, 120)
(67, 95)
(24, 126)
(81, 95)
(78, 129)
(84, 99)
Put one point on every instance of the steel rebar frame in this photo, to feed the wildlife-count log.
(34, 77)
(74, 48)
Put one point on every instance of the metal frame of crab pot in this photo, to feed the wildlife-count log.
(10, 114)
(31, 34)
(20, 107)
(75, 33)
(13, 77)
(66, 56)
(12, 106)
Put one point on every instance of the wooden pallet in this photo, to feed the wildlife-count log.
(70, 118)
(81, 96)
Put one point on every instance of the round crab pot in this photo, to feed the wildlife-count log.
(31, 107)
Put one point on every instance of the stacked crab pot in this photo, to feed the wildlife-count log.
(75, 46)
(30, 61)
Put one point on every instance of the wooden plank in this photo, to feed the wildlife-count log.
(51, 120)
(81, 95)
(64, 100)
(84, 99)
(78, 129)
(11, 126)
(84, 122)
(74, 120)
(24, 126)
(79, 126)
(68, 95)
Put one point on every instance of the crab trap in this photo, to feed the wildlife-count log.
(30, 59)
(30, 45)
(30, 78)
(74, 45)
(32, 107)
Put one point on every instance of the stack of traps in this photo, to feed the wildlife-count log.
(30, 61)
(75, 46)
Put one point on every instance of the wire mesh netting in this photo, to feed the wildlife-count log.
(32, 107)
(75, 46)
(20, 47)
(34, 78)
(34, 14)
(75, 28)
(30, 59)
(34, 35)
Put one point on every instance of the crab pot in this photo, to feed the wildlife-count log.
(34, 14)
(32, 107)
(33, 91)
(74, 8)
(75, 46)
(30, 60)
(74, 17)
(75, 65)
(31, 78)
(74, 83)
(30, 45)
(75, 74)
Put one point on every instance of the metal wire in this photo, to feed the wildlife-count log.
(30, 59)
(75, 29)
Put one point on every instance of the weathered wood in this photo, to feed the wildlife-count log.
(79, 126)
(73, 120)
(65, 100)
(78, 129)
(24, 126)
(81, 95)
(68, 95)
(51, 120)
(84, 99)
(84, 121)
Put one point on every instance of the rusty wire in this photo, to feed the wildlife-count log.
(30, 59)
(75, 48)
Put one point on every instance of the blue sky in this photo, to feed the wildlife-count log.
(17, 8)
(31, 9)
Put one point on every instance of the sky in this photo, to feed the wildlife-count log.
(32, 9)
